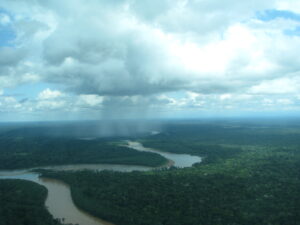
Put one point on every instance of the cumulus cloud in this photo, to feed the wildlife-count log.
(49, 94)
(133, 54)
(89, 100)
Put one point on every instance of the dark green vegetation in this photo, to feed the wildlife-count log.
(18, 150)
(18, 153)
(250, 176)
(22, 203)
(225, 139)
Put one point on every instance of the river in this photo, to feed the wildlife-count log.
(178, 160)
(59, 201)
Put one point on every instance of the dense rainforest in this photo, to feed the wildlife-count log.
(20, 152)
(22, 203)
(250, 176)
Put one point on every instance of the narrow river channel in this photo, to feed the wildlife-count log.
(59, 201)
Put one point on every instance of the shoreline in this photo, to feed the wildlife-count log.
(61, 196)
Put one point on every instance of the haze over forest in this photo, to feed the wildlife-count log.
(71, 60)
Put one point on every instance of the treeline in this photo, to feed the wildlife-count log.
(22, 203)
(253, 181)
(209, 152)
(216, 142)
(20, 152)
(268, 193)
(280, 134)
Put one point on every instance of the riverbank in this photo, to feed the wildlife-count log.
(175, 159)
(33, 152)
(59, 201)
(22, 202)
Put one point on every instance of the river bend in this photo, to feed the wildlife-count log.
(59, 201)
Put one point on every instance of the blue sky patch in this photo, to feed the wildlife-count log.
(274, 14)
(293, 32)
(7, 33)
(7, 36)
(30, 90)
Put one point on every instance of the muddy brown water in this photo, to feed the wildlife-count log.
(59, 201)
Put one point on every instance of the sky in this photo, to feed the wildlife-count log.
(119, 59)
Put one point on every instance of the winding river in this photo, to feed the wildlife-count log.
(59, 201)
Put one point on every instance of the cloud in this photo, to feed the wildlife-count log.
(50, 105)
(278, 86)
(49, 94)
(10, 56)
(4, 19)
(89, 100)
(9, 104)
(133, 54)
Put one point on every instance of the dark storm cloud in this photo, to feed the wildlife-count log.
(10, 56)
(134, 53)
(129, 47)
(110, 62)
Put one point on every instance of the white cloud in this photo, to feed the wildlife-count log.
(9, 104)
(225, 97)
(49, 94)
(89, 100)
(134, 53)
(289, 5)
(277, 86)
